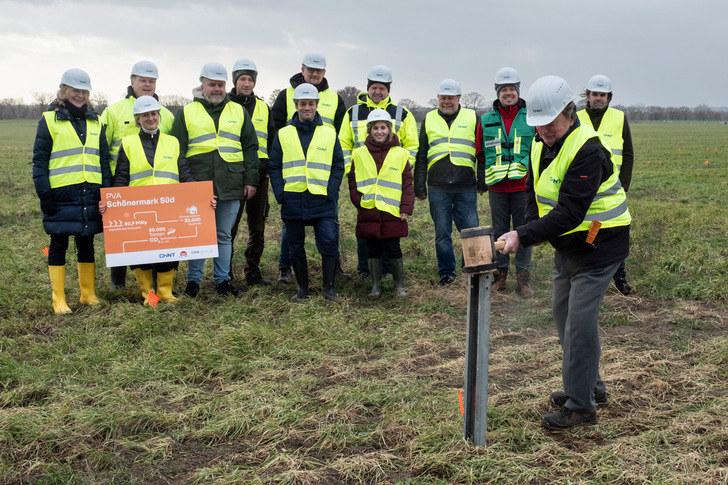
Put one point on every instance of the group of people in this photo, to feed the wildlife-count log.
(549, 170)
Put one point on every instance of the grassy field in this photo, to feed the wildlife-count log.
(261, 390)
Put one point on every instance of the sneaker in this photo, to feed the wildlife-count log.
(192, 289)
(257, 280)
(566, 418)
(623, 286)
(446, 281)
(559, 398)
(225, 288)
(284, 275)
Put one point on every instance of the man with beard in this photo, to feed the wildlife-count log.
(119, 121)
(331, 108)
(219, 142)
(612, 125)
(506, 144)
(245, 75)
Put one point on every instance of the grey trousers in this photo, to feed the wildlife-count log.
(575, 304)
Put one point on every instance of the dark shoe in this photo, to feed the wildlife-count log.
(499, 280)
(362, 280)
(446, 281)
(300, 267)
(225, 288)
(375, 272)
(524, 287)
(192, 289)
(622, 286)
(257, 280)
(398, 276)
(340, 271)
(328, 268)
(559, 398)
(566, 418)
(284, 275)
(301, 296)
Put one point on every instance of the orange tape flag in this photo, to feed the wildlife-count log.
(153, 299)
(45, 251)
(460, 398)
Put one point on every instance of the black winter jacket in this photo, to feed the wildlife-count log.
(249, 102)
(73, 209)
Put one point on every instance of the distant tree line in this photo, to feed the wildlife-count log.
(16, 108)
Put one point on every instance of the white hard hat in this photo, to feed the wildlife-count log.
(76, 78)
(305, 91)
(145, 69)
(244, 64)
(380, 74)
(507, 75)
(378, 115)
(145, 104)
(315, 60)
(214, 71)
(547, 97)
(599, 84)
(449, 87)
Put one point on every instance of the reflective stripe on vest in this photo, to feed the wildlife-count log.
(71, 162)
(381, 190)
(260, 122)
(326, 108)
(611, 128)
(165, 170)
(310, 171)
(610, 203)
(202, 135)
(506, 156)
(457, 141)
(359, 127)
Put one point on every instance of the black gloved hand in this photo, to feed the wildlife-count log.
(47, 204)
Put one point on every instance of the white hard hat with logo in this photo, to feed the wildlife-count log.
(547, 97)
(507, 75)
(314, 60)
(305, 91)
(244, 64)
(599, 84)
(76, 78)
(214, 71)
(145, 104)
(449, 87)
(145, 69)
(380, 74)
(378, 115)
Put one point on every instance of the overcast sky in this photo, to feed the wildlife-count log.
(657, 52)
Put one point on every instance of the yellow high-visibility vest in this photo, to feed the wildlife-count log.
(260, 122)
(611, 128)
(457, 140)
(165, 170)
(71, 161)
(327, 104)
(310, 171)
(382, 189)
(203, 138)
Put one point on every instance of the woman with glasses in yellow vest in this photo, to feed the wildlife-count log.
(380, 187)
(150, 157)
(70, 165)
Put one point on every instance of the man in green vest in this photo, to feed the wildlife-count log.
(506, 144)
(219, 141)
(450, 172)
(245, 76)
(573, 184)
(614, 128)
(354, 131)
(331, 108)
(119, 121)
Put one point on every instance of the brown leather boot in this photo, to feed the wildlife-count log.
(499, 280)
(524, 288)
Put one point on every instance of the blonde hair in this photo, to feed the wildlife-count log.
(62, 96)
(389, 123)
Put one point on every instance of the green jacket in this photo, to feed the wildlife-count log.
(229, 179)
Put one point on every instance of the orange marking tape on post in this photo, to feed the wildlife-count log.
(153, 299)
(45, 251)
(460, 398)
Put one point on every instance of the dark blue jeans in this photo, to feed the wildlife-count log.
(446, 208)
(324, 230)
(504, 208)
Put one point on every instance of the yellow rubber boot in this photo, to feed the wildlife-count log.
(144, 280)
(86, 281)
(58, 284)
(165, 282)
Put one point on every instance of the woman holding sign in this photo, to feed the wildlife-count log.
(380, 187)
(151, 158)
(70, 165)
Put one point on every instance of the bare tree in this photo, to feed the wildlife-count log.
(174, 102)
(273, 96)
(408, 103)
(349, 95)
(702, 112)
(43, 99)
(11, 108)
(432, 103)
(100, 101)
(473, 100)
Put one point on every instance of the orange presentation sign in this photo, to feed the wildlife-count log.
(158, 223)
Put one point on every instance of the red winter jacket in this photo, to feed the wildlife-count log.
(373, 223)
